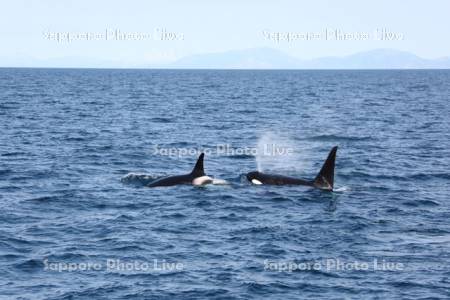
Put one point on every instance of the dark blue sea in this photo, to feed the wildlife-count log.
(78, 146)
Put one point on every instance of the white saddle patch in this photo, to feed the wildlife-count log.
(256, 181)
(202, 180)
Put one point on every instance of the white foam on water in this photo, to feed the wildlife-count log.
(341, 189)
(137, 178)
(219, 181)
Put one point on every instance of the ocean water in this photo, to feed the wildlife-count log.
(78, 146)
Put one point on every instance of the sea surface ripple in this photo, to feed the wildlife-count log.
(77, 147)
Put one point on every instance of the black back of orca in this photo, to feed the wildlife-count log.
(324, 180)
(198, 171)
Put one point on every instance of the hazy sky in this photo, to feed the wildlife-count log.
(29, 28)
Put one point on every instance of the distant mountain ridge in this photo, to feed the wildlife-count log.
(267, 58)
(257, 58)
(254, 58)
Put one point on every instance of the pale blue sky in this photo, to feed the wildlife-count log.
(215, 26)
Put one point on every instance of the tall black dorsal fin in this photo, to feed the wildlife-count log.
(325, 179)
(198, 169)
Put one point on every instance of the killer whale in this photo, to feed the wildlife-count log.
(196, 177)
(324, 180)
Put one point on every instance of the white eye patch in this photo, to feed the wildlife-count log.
(256, 181)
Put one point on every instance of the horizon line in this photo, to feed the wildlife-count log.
(229, 69)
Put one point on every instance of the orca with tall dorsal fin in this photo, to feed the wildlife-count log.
(324, 180)
(196, 177)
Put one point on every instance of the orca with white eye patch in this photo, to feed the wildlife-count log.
(324, 180)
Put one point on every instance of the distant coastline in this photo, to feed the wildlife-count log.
(252, 59)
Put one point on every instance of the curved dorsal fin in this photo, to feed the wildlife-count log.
(325, 179)
(198, 169)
